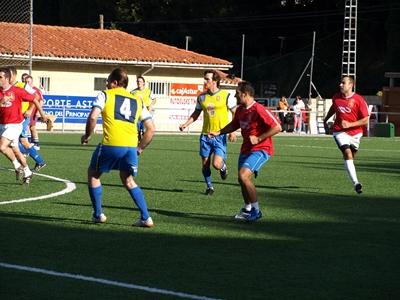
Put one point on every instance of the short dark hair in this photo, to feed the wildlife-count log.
(12, 70)
(6, 71)
(246, 87)
(215, 75)
(24, 76)
(351, 78)
(120, 75)
(140, 77)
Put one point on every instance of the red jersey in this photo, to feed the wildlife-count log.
(39, 93)
(255, 120)
(351, 108)
(10, 104)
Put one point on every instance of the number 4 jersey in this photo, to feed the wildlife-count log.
(120, 111)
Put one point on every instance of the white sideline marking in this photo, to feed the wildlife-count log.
(104, 281)
(70, 186)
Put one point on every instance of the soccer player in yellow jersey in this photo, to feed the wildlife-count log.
(119, 149)
(147, 97)
(215, 104)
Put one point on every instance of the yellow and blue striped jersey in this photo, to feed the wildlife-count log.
(120, 111)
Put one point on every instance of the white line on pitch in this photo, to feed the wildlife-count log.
(70, 186)
(104, 281)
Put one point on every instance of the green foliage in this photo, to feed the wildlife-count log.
(318, 239)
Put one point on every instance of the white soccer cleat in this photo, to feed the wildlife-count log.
(148, 223)
(101, 219)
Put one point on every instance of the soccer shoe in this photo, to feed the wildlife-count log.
(358, 188)
(148, 223)
(254, 215)
(27, 179)
(209, 191)
(38, 167)
(19, 173)
(223, 173)
(101, 219)
(243, 214)
(36, 146)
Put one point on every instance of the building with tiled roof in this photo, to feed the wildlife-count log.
(66, 46)
(83, 45)
(69, 61)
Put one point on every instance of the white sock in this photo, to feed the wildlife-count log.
(248, 207)
(27, 172)
(16, 164)
(255, 205)
(351, 170)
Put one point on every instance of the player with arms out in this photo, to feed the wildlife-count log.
(351, 115)
(257, 125)
(215, 104)
(119, 148)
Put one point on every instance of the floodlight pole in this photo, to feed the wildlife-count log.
(187, 38)
(311, 69)
(30, 36)
(301, 76)
(241, 68)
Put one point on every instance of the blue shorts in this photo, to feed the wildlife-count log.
(253, 161)
(140, 126)
(106, 158)
(25, 128)
(216, 145)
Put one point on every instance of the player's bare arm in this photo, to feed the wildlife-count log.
(271, 132)
(193, 117)
(90, 125)
(361, 122)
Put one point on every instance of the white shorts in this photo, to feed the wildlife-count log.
(342, 138)
(11, 132)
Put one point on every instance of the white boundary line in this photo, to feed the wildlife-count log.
(70, 186)
(104, 281)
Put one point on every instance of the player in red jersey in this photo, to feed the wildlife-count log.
(351, 112)
(11, 119)
(257, 125)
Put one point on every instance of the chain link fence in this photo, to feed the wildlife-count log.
(17, 11)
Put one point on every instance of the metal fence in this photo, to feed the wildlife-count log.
(19, 11)
(72, 118)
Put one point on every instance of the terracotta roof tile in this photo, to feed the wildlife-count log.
(82, 43)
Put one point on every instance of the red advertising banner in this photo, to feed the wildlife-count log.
(186, 89)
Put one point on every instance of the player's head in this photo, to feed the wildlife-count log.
(28, 79)
(117, 78)
(140, 82)
(346, 84)
(210, 77)
(5, 76)
(244, 91)
(13, 72)
(24, 76)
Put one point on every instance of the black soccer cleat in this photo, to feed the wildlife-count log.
(209, 191)
(358, 188)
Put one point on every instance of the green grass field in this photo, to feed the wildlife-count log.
(318, 239)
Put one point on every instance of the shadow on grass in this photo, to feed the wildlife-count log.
(326, 259)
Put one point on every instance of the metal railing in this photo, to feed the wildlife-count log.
(70, 118)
